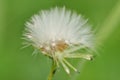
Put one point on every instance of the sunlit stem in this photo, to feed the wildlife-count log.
(84, 56)
(52, 72)
(109, 25)
(70, 65)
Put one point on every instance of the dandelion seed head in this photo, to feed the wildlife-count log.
(56, 30)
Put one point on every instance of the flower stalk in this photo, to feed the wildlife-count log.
(52, 71)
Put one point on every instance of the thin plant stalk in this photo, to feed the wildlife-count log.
(53, 70)
(108, 26)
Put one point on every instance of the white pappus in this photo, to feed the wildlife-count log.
(58, 33)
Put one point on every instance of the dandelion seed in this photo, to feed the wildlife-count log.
(58, 33)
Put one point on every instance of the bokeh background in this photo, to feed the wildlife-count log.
(19, 64)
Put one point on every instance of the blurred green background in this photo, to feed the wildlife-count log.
(19, 64)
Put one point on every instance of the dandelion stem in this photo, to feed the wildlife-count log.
(53, 70)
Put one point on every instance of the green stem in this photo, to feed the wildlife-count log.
(110, 24)
(52, 72)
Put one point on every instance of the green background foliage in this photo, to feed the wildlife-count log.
(19, 64)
